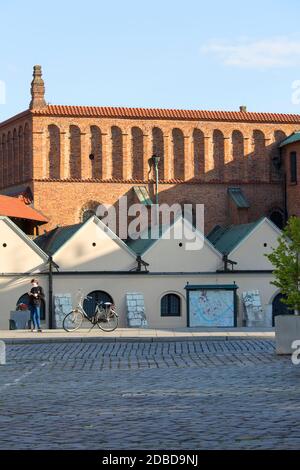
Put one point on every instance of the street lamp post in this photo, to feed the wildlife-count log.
(156, 161)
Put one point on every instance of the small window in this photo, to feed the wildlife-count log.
(170, 306)
(293, 167)
(87, 214)
(277, 217)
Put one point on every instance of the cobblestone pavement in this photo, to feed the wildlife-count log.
(164, 395)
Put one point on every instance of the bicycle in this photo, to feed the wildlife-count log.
(105, 317)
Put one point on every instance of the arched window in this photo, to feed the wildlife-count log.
(24, 299)
(158, 149)
(259, 170)
(10, 173)
(277, 217)
(16, 156)
(27, 153)
(170, 305)
(237, 145)
(279, 308)
(87, 214)
(88, 210)
(75, 152)
(137, 153)
(117, 152)
(236, 167)
(54, 151)
(218, 154)
(275, 156)
(97, 296)
(21, 153)
(199, 155)
(1, 163)
(4, 159)
(178, 153)
(96, 152)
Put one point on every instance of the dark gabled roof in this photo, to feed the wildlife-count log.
(238, 198)
(215, 234)
(143, 195)
(51, 241)
(140, 245)
(295, 137)
(225, 239)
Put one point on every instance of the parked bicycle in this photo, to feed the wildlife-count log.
(105, 316)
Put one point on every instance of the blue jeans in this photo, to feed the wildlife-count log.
(35, 311)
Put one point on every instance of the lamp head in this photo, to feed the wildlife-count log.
(155, 159)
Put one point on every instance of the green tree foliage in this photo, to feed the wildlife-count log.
(285, 259)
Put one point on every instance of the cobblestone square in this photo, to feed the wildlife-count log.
(234, 394)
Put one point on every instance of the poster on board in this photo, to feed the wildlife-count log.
(211, 307)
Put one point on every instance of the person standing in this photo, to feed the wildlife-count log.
(36, 296)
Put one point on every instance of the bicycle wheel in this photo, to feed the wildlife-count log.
(108, 322)
(72, 321)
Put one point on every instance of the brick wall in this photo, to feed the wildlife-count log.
(292, 189)
(209, 156)
(16, 150)
(77, 196)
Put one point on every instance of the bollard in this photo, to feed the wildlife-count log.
(2, 353)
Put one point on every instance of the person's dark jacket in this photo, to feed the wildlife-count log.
(36, 300)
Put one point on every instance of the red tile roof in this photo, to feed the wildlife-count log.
(155, 113)
(16, 208)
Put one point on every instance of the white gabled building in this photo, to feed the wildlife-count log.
(90, 257)
(20, 260)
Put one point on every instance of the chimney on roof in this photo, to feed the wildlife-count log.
(243, 109)
(37, 89)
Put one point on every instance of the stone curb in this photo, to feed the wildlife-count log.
(133, 339)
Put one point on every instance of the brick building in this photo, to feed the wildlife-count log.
(71, 158)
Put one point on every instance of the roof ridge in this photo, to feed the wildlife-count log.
(49, 242)
(165, 113)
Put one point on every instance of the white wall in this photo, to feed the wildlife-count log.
(80, 254)
(166, 255)
(250, 253)
(153, 287)
(18, 256)
(11, 289)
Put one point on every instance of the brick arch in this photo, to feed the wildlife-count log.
(96, 152)
(178, 153)
(137, 153)
(279, 135)
(21, 152)
(4, 157)
(75, 152)
(275, 157)
(10, 163)
(16, 156)
(236, 165)
(277, 215)
(218, 154)
(199, 155)
(117, 152)
(89, 207)
(1, 163)
(259, 163)
(158, 149)
(27, 156)
(237, 145)
(54, 151)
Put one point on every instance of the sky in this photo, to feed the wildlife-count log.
(189, 54)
